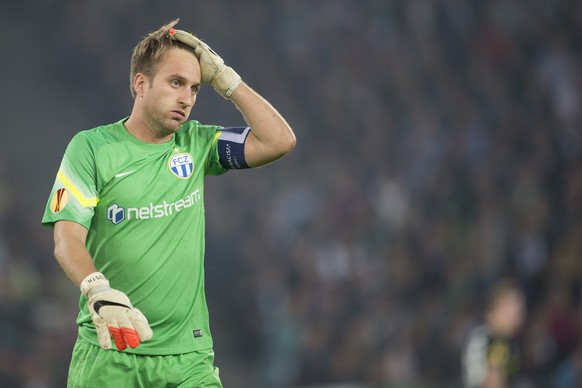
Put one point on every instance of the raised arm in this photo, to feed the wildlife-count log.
(270, 136)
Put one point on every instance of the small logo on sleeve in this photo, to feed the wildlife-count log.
(181, 165)
(60, 200)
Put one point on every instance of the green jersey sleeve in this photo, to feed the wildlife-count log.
(74, 194)
(213, 165)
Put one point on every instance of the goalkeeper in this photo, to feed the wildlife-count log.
(128, 216)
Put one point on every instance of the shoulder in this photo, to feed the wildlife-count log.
(477, 339)
(103, 133)
(94, 138)
(195, 128)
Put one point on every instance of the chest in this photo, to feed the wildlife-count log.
(151, 178)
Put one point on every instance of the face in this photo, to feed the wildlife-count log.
(167, 98)
(508, 314)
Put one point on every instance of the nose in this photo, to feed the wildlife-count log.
(187, 98)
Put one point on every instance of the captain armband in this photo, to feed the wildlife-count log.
(231, 147)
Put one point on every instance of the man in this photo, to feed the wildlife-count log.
(128, 216)
(491, 354)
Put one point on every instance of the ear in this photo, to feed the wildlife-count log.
(139, 84)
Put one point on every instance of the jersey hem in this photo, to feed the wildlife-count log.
(142, 350)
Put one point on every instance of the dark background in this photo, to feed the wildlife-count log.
(439, 150)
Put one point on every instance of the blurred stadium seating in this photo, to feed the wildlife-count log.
(439, 149)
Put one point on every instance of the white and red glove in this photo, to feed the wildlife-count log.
(113, 314)
(212, 68)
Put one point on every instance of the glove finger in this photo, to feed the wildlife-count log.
(115, 318)
(127, 333)
(118, 336)
(186, 38)
(102, 332)
(140, 324)
(122, 323)
(130, 337)
(122, 329)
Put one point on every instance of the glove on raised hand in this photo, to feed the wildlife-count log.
(213, 70)
(112, 313)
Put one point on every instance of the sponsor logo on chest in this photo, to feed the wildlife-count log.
(117, 213)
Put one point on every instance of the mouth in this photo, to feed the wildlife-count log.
(179, 113)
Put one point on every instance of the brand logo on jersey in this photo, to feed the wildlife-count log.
(115, 213)
(122, 174)
(60, 200)
(181, 165)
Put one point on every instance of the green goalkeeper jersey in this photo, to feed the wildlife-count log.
(143, 207)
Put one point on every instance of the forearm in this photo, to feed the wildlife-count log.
(271, 136)
(70, 251)
(110, 309)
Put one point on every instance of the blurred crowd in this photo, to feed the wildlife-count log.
(439, 150)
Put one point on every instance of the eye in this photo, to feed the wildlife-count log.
(175, 83)
(195, 90)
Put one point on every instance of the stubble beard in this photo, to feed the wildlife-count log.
(161, 125)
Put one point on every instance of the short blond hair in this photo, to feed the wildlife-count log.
(150, 51)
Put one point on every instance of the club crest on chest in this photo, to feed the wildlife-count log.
(181, 165)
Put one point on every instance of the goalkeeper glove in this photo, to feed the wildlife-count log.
(212, 68)
(112, 313)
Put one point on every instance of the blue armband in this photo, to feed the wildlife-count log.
(231, 147)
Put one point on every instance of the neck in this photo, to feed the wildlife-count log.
(139, 128)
